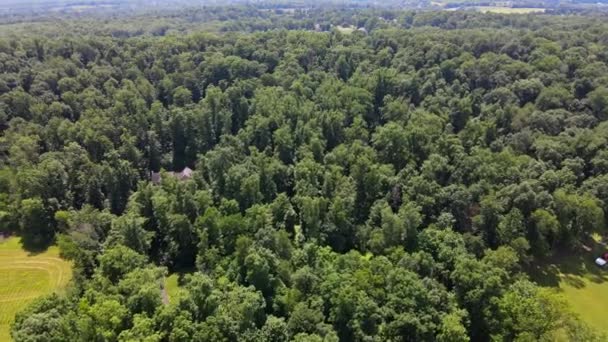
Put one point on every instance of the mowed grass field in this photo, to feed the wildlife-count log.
(172, 287)
(585, 285)
(509, 10)
(25, 276)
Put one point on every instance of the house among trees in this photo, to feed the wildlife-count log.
(155, 177)
(186, 173)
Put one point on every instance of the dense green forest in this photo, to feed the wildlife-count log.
(390, 184)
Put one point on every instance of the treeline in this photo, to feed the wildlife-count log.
(387, 185)
(249, 19)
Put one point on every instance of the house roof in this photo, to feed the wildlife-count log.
(186, 173)
(155, 177)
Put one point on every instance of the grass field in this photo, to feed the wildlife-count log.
(509, 10)
(580, 281)
(172, 287)
(25, 276)
(346, 29)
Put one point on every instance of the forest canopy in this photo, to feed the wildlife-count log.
(308, 183)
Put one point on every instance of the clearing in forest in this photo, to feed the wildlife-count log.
(584, 284)
(171, 287)
(25, 276)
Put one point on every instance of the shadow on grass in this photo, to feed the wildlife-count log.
(572, 267)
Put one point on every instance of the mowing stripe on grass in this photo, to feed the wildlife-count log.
(25, 277)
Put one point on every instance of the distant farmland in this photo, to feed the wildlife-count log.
(24, 277)
(509, 10)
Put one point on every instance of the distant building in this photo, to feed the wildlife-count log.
(155, 177)
(186, 173)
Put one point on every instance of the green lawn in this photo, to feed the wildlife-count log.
(580, 281)
(172, 286)
(346, 29)
(25, 276)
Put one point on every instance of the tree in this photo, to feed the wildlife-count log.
(305, 318)
(128, 230)
(240, 310)
(546, 229)
(598, 100)
(553, 97)
(142, 330)
(36, 224)
(511, 227)
(117, 261)
(355, 315)
(108, 319)
(43, 320)
(528, 312)
(527, 90)
(392, 144)
(182, 96)
(410, 311)
(452, 329)
(141, 290)
(578, 215)
(183, 240)
(274, 330)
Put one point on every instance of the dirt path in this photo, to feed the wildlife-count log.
(163, 293)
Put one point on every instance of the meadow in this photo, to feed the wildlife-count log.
(509, 10)
(25, 276)
(172, 287)
(575, 276)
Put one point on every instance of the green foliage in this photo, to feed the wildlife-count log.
(385, 184)
(527, 312)
(35, 224)
(42, 321)
(118, 261)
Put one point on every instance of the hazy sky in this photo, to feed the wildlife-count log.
(22, 3)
